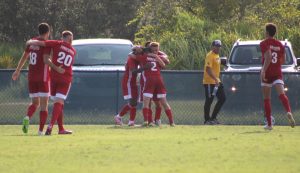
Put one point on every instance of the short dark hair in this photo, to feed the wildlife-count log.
(43, 28)
(271, 29)
(66, 33)
(147, 44)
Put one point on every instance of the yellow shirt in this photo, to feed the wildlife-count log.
(212, 60)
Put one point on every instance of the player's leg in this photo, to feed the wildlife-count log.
(208, 101)
(157, 111)
(266, 91)
(44, 94)
(146, 101)
(285, 102)
(167, 109)
(150, 113)
(133, 104)
(221, 100)
(35, 103)
(43, 113)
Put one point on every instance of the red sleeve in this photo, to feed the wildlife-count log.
(263, 47)
(47, 50)
(51, 43)
(131, 63)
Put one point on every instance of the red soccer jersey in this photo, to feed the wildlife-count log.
(154, 70)
(38, 70)
(63, 55)
(130, 64)
(277, 52)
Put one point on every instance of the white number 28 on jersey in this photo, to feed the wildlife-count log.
(64, 58)
(274, 57)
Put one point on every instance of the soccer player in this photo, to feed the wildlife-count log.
(273, 55)
(38, 78)
(130, 92)
(153, 82)
(61, 76)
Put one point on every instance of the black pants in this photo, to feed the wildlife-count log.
(209, 99)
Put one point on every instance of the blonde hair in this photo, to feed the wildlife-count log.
(154, 44)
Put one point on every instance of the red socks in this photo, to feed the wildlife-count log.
(43, 119)
(285, 101)
(60, 120)
(145, 114)
(31, 109)
(170, 116)
(132, 113)
(57, 111)
(124, 110)
(267, 106)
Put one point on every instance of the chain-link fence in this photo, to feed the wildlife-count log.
(95, 97)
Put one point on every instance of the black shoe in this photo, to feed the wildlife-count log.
(215, 121)
(208, 122)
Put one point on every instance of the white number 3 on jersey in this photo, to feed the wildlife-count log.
(274, 57)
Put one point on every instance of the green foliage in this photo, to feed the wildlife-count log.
(10, 54)
(6, 61)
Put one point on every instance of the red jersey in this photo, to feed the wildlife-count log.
(38, 70)
(154, 70)
(130, 64)
(277, 52)
(63, 55)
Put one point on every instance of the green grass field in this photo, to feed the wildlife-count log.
(226, 149)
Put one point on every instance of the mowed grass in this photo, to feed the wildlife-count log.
(97, 148)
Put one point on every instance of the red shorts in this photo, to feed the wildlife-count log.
(60, 90)
(270, 81)
(141, 91)
(154, 85)
(129, 89)
(38, 89)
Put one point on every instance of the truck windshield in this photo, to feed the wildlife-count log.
(251, 55)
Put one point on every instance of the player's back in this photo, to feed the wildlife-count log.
(154, 70)
(277, 53)
(130, 64)
(63, 55)
(38, 70)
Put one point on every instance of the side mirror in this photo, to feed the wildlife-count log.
(224, 61)
(298, 61)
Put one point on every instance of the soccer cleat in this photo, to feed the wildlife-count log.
(131, 123)
(48, 131)
(25, 124)
(151, 124)
(266, 127)
(145, 124)
(172, 125)
(158, 122)
(118, 120)
(40, 133)
(65, 132)
(291, 119)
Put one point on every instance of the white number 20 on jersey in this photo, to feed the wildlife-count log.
(64, 58)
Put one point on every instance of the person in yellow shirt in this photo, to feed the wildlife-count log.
(212, 84)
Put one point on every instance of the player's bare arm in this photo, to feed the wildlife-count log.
(21, 63)
(158, 59)
(164, 57)
(141, 69)
(268, 58)
(212, 75)
(48, 61)
(35, 43)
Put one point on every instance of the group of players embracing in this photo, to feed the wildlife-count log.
(148, 61)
